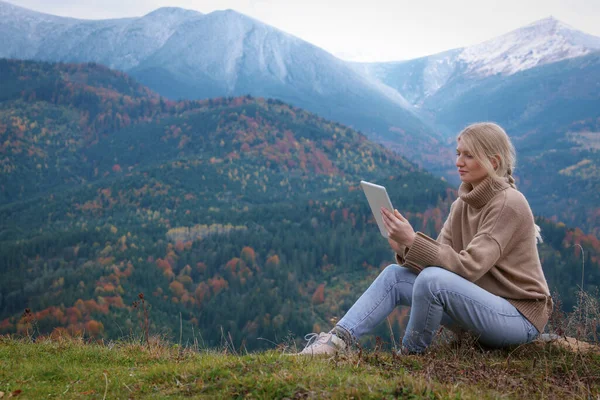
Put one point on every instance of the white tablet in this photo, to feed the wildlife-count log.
(377, 197)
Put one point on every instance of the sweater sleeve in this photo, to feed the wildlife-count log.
(497, 228)
(401, 258)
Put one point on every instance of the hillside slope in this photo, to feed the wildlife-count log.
(239, 214)
(454, 371)
(235, 212)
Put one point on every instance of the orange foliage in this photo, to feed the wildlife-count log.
(109, 287)
(92, 306)
(273, 261)
(89, 206)
(201, 267)
(319, 295)
(177, 288)
(235, 264)
(128, 271)
(94, 328)
(5, 325)
(185, 279)
(217, 284)
(248, 255)
(115, 301)
(73, 315)
(169, 274)
(238, 269)
(187, 299)
(163, 264)
(202, 292)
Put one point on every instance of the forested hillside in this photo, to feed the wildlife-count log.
(233, 216)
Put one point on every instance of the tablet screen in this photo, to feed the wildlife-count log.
(377, 197)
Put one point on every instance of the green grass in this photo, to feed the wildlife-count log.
(72, 368)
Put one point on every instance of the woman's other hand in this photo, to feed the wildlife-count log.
(398, 227)
(397, 247)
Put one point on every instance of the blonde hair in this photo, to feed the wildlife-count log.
(486, 141)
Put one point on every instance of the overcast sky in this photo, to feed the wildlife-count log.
(359, 30)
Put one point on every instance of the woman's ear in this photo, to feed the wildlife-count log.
(495, 161)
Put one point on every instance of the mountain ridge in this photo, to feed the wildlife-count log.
(231, 54)
(539, 43)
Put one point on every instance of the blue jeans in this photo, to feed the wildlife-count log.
(437, 297)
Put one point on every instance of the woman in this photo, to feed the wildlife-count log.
(482, 274)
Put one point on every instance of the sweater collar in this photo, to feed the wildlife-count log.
(479, 196)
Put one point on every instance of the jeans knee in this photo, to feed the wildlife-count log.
(430, 279)
(391, 269)
(395, 272)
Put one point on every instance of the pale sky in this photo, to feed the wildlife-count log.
(358, 30)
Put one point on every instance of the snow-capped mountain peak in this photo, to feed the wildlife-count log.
(24, 16)
(164, 12)
(545, 41)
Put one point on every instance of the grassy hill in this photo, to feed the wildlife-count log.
(71, 368)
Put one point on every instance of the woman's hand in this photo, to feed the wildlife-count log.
(398, 227)
(397, 247)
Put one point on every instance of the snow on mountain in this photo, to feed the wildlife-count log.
(244, 55)
(415, 79)
(118, 43)
(186, 54)
(542, 42)
(23, 30)
(224, 46)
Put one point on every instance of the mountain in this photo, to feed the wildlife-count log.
(238, 216)
(543, 42)
(185, 54)
(118, 43)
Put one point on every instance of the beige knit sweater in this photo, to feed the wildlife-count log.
(489, 239)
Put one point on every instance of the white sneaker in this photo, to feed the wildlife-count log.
(323, 343)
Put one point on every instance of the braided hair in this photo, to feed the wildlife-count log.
(511, 179)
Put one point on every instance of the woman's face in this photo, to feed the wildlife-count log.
(469, 169)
